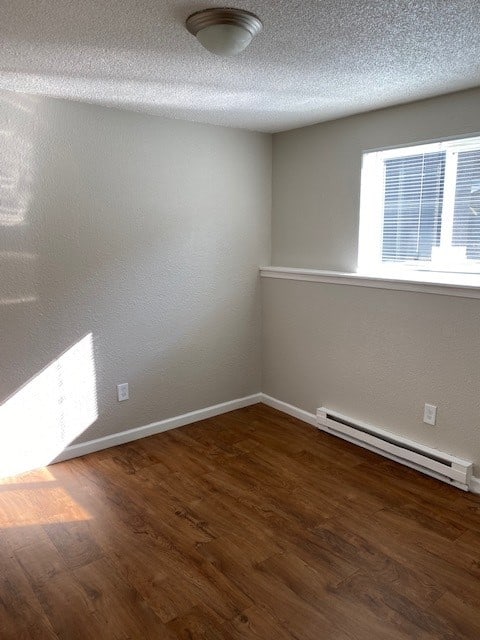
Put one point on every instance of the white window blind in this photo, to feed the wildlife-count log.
(420, 208)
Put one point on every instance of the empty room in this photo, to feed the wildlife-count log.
(240, 320)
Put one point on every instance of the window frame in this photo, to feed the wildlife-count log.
(371, 218)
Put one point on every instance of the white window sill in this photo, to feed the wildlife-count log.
(460, 285)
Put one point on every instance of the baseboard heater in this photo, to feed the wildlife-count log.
(430, 461)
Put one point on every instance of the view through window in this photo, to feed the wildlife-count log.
(420, 208)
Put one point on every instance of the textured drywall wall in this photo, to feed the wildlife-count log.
(138, 240)
(316, 177)
(373, 354)
(377, 355)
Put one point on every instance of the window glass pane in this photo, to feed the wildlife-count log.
(412, 206)
(466, 221)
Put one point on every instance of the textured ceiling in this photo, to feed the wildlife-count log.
(313, 61)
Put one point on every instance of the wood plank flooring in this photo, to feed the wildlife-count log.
(247, 526)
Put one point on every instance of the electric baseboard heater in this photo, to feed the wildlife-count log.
(432, 462)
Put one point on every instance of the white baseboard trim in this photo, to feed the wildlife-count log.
(90, 446)
(475, 485)
(305, 416)
(310, 418)
(98, 444)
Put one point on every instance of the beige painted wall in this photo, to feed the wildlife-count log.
(143, 232)
(316, 177)
(374, 354)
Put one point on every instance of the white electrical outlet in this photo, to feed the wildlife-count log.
(122, 391)
(430, 414)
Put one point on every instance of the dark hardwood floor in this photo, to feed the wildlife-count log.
(249, 525)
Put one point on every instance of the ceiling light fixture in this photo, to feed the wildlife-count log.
(224, 32)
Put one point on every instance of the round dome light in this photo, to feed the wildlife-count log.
(224, 32)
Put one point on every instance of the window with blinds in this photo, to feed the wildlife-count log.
(420, 208)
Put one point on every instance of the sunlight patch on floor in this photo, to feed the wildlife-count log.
(28, 504)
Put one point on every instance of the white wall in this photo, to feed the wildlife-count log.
(145, 234)
(373, 354)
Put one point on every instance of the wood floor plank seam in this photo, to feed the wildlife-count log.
(246, 526)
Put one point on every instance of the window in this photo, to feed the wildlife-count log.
(420, 208)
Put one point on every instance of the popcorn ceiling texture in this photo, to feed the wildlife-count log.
(314, 60)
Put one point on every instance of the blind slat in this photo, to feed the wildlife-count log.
(430, 204)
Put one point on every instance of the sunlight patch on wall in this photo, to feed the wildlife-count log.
(50, 411)
(18, 300)
(17, 120)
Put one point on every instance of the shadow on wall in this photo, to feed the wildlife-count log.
(44, 416)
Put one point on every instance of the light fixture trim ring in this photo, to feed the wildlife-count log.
(215, 16)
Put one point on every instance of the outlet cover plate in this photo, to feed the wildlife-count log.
(122, 391)
(430, 414)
